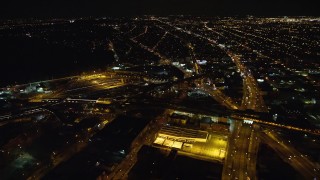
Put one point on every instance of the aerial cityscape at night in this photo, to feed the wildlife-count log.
(160, 97)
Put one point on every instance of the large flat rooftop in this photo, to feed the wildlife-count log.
(183, 134)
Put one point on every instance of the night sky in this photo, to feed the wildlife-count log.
(79, 8)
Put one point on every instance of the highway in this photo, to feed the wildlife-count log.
(277, 125)
(289, 154)
(243, 152)
(239, 158)
(252, 98)
(243, 164)
(253, 151)
(240, 162)
(220, 97)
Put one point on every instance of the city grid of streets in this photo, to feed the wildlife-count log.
(248, 76)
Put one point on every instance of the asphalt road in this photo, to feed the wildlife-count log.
(290, 155)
